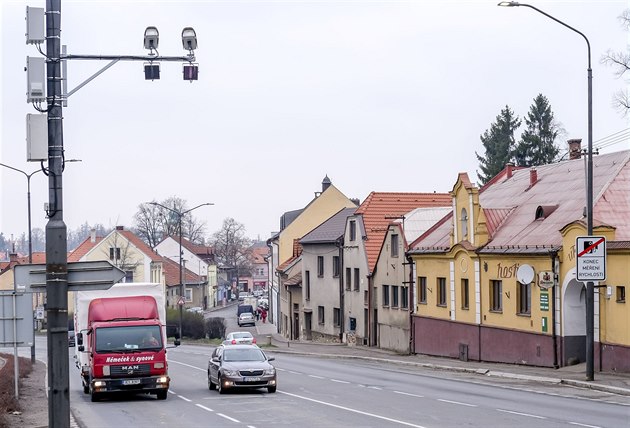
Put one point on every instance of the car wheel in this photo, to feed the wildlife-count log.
(271, 389)
(220, 387)
(211, 385)
(161, 395)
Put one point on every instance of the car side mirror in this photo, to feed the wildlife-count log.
(79, 337)
(271, 358)
(216, 359)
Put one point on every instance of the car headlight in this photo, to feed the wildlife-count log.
(270, 372)
(230, 372)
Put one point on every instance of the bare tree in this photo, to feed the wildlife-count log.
(154, 222)
(231, 247)
(620, 61)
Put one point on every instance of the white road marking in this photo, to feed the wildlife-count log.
(184, 398)
(521, 414)
(352, 410)
(338, 381)
(406, 393)
(456, 402)
(170, 391)
(187, 365)
(292, 372)
(316, 377)
(229, 418)
(584, 425)
(204, 407)
(375, 387)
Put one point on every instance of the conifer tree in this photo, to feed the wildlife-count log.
(537, 144)
(499, 144)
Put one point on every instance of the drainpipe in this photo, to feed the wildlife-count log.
(342, 315)
(554, 268)
(411, 305)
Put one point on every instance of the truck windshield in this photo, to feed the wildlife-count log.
(128, 339)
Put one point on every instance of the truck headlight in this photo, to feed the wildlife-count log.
(105, 370)
(98, 383)
(162, 379)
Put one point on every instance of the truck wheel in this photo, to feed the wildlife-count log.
(86, 389)
(161, 395)
(94, 396)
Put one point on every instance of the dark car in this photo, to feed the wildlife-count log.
(240, 366)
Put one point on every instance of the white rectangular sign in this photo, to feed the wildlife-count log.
(591, 258)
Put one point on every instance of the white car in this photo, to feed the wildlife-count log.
(195, 310)
(239, 338)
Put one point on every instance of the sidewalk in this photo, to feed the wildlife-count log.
(616, 383)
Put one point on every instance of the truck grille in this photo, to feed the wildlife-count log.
(130, 370)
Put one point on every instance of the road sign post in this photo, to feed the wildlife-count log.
(591, 258)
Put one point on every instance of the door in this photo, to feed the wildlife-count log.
(296, 326)
(308, 317)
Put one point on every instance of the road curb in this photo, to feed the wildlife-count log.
(478, 371)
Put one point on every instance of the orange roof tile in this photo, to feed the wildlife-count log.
(83, 249)
(378, 206)
(171, 273)
(140, 245)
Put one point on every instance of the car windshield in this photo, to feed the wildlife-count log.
(128, 339)
(250, 354)
(242, 335)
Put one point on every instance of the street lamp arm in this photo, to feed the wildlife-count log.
(517, 4)
(19, 170)
(198, 206)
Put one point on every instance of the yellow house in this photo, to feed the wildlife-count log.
(496, 277)
(325, 204)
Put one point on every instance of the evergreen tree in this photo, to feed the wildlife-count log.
(499, 143)
(537, 144)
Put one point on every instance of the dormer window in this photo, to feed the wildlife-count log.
(464, 221)
(544, 211)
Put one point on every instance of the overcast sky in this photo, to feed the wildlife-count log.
(378, 95)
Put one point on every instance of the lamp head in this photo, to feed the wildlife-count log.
(509, 4)
(189, 39)
(151, 38)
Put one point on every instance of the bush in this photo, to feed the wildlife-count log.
(192, 324)
(8, 403)
(215, 328)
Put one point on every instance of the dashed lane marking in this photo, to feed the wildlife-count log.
(229, 418)
(204, 408)
(456, 402)
(410, 395)
(521, 414)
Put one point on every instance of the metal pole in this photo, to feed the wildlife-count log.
(56, 233)
(590, 288)
(181, 279)
(16, 362)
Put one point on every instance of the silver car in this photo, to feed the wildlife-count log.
(240, 366)
(239, 338)
(246, 318)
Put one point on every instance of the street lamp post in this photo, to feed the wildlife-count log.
(590, 286)
(179, 215)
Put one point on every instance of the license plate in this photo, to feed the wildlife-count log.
(251, 379)
(131, 382)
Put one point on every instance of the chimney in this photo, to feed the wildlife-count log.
(326, 183)
(92, 236)
(120, 227)
(13, 257)
(356, 201)
(533, 176)
(509, 169)
(575, 148)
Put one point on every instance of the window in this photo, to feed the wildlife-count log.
(320, 314)
(357, 278)
(496, 290)
(353, 230)
(394, 245)
(337, 317)
(114, 253)
(307, 285)
(128, 276)
(404, 297)
(348, 278)
(335, 266)
(465, 293)
(385, 295)
(320, 266)
(621, 294)
(524, 298)
(464, 221)
(395, 300)
(422, 289)
(189, 294)
(441, 291)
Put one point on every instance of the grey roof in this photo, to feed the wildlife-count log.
(330, 230)
(420, 220)
(287, 218)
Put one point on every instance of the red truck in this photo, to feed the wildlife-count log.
(121, 340)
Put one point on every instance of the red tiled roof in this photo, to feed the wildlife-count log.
(379, 205)
(196, 249)
(259, 254)
(494, 218)
(83, 248)
(39, 258)
(171, 273)
(140, 245)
